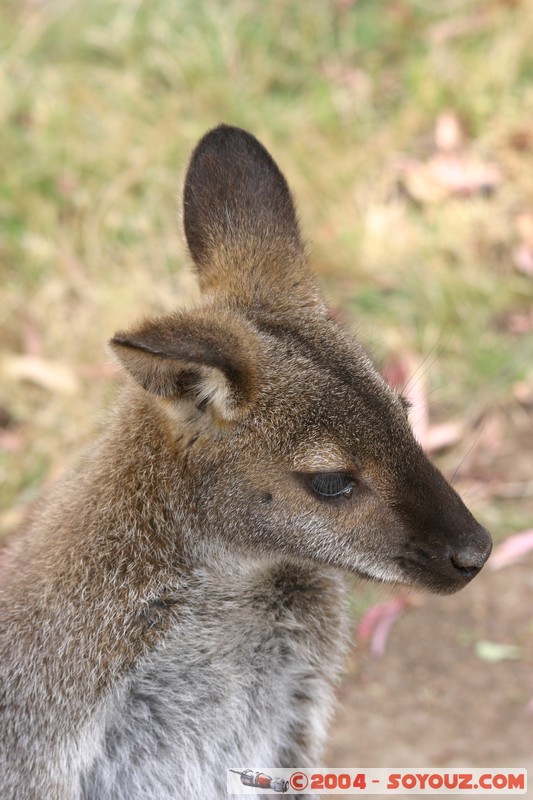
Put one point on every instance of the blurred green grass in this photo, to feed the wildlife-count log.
(103, 102)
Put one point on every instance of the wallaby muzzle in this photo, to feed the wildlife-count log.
(445, 547)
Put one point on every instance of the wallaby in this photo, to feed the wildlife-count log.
(176, 605)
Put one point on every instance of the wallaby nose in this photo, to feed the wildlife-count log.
(468, 560)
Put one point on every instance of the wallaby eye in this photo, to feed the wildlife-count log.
(331, 484)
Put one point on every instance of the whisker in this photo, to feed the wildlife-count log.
(415, 375)
(476, 439)
(469, 494)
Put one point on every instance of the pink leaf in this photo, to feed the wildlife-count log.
(454, 169)
(376, 624)
(10, 441)
(511, 550)
(48, 374)
(443, 435)
(523, 391)
(520, 322)
(32, 339)
(523, 260)
(100, 371)
(524, 227)
(523, 253)
(407, 376)
(448, 132)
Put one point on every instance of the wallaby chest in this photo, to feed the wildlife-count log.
(246, 669)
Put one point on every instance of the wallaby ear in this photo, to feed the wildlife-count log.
(209, 358)
(241, 225)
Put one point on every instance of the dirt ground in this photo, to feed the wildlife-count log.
(432, 700)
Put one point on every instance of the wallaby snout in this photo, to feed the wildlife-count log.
(184, 585)
(444, 546)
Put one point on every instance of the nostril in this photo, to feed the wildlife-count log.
(468, 570)
(469, 560)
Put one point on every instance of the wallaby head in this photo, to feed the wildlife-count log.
(286, 441)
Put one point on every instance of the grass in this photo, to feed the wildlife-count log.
(103, 103)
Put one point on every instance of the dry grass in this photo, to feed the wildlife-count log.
(103, 102)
